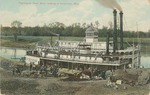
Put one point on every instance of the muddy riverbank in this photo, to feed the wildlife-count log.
(16, 85)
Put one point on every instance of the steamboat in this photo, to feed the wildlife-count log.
(89, 53)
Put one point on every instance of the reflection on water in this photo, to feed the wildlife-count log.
(18, 53)
(12, 53)
(145, 61)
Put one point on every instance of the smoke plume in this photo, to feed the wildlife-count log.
(110, 4)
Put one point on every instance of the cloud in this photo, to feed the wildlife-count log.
(135, 11)
(77, 13)
(29, 15)
(24, 15)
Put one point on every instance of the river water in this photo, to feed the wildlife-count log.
(12, 53)
(16, 53)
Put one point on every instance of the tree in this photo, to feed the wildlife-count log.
(57, 27)
(77, 31)
(16, 27)
(110, 25)
(67, 31)
(84, 25)
(97, 24)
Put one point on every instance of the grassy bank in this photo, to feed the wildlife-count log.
(30, 41)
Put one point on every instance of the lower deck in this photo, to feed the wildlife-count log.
(76, 64)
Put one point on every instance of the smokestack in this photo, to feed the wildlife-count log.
(121, 30)
(107, 44)
(115, 31)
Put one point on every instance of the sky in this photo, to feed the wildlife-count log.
(41, 12)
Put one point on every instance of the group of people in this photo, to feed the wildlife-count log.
(45, 69)
(16, 70)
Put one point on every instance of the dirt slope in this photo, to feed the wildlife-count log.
(13, 85)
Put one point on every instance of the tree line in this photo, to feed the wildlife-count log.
(57, 28)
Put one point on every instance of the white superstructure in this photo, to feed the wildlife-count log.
(89, 51)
